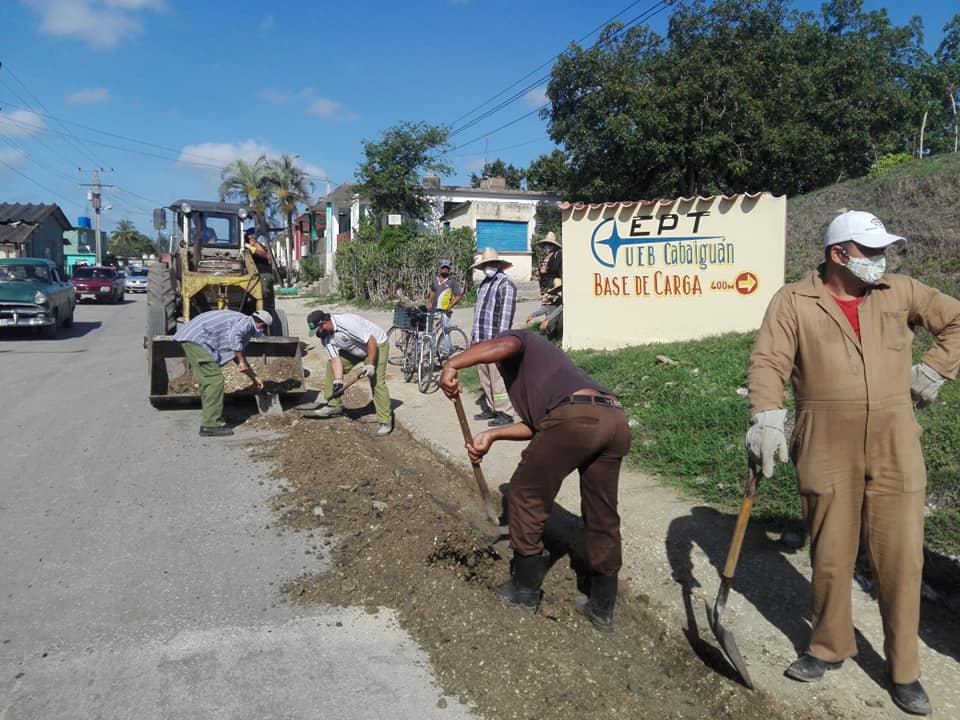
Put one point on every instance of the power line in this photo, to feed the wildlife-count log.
(39, 185)
(652, 10)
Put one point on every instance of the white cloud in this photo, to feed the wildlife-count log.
(88, 96)
(21, 123)
(536, 97)
(267, 23)
(102, 24)
(220, 155)
(324, 108)
(12, 157)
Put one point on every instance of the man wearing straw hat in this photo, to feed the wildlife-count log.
(551, 266)
(492, 315)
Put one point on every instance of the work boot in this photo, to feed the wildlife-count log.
(526, 576)
(808, 668)
(485, 415)
(911, 698)
(328, 411)
(215, 431)
(598, 608)
(501, 419)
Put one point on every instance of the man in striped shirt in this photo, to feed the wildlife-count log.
(492, 315)
(210, 341)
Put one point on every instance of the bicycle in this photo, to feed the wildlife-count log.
(400, 333)
(419, 350)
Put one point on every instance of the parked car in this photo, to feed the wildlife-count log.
(136, 280)
(93, 282)
(34, 294)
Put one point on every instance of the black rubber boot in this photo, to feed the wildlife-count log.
(526, 577)
(598, 608)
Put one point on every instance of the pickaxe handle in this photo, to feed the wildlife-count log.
(477, 472)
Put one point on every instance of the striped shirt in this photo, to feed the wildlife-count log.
(493, 312)
(220, 332)
(350, 335)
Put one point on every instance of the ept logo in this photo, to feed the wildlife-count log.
(606, 241)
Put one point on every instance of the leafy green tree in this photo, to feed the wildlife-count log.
(549, 173)
(947, 58)
(127, 241)
(250, 184)
(741, 95)
(390, 173)
(514, 176)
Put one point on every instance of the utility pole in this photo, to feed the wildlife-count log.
(94, 197)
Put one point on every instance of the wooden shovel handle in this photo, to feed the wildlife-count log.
(736, 543)
(468, 438)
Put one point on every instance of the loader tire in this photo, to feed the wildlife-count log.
(161, 295)
(280, 328)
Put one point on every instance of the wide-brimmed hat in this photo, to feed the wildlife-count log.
(491, 256)
(861, 227)
(550, 239)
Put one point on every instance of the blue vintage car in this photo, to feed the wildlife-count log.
(34, 294)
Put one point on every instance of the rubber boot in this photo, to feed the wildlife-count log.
(598, 608)
(526, 577)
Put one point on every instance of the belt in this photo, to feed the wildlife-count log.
(588, 400)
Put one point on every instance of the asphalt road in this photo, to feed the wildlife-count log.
(140, 565)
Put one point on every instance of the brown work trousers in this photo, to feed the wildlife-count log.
(592, 439)
(862, 476)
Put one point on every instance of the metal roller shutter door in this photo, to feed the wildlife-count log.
(502, 235)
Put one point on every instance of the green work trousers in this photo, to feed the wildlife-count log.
(209, 376)
(378, 384)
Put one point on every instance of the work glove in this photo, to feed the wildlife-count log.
(925, 384)
(369, 371)
(337, 389)
(766, 442)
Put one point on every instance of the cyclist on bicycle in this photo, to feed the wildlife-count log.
(445, 293)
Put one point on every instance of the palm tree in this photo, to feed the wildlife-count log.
(127, 241)
(250, 184)
(289, 186)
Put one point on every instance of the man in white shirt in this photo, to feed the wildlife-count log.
(352, 340)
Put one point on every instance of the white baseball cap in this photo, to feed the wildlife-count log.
(862, 227)
(264, 317)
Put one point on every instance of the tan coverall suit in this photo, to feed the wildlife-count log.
(856, 446)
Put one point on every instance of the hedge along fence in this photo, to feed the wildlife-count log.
(379, 262)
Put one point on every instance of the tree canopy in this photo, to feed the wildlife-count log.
(744, 95)
(389, 175)
(514, 176)
(127, 241)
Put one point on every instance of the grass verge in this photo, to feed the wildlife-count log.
(689, 421)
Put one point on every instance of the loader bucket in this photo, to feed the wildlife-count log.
(278, 361)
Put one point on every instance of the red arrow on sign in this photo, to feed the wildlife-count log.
(746, 283)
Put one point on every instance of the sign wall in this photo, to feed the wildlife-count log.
(665, 270)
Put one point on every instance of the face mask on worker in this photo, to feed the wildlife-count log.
(258, 330)
(444, 273)
(490, 271)
(870, 270)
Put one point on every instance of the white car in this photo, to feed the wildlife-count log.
(135, 281)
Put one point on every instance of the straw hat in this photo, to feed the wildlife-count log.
(491, 256)
(550, 239)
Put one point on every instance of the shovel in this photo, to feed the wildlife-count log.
(492, 515)
(724, 636)
(268, 403)
(309, 407)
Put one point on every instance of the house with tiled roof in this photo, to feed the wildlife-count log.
(29, 230)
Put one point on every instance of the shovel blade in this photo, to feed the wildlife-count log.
(727, 642)
(268, 403)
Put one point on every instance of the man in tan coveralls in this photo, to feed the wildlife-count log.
(843, 336)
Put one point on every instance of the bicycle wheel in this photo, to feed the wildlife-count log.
(396, 344)
(410, 358)
(425, 366)
(457, 339)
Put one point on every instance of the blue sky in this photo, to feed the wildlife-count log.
(163, 93)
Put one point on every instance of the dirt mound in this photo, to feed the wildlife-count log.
(405, 530)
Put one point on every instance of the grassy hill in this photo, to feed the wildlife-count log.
(689, 418)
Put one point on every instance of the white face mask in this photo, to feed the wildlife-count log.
(490, 271)
(867, 269)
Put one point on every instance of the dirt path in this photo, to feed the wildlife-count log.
(420, 556)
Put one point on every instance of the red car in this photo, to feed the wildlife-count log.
(93, 282)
